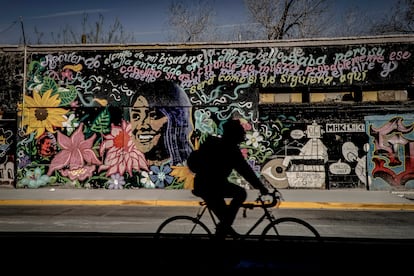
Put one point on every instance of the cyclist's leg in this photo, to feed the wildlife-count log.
(238, 195)
(217, 205)
(227, 212)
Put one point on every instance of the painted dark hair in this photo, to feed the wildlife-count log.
(170, 99)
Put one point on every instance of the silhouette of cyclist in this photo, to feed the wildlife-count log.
(218, 156)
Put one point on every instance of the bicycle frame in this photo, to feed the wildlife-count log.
(266, 215)
(201, 212)
(260, 203)
(274, 228)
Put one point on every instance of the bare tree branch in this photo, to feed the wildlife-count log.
(39, 35)
(96, 32)
(289, 18)
(192, 22)
(400, 20)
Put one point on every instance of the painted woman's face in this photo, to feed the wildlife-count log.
(46, 145)
(146, 124)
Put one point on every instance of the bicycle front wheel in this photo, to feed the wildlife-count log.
(182, 227)
(290, 228)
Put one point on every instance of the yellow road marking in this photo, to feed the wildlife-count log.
(283, 205)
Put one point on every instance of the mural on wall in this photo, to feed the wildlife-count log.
(305, 169)
(347, 160)
(7, 150)
(11, 82)
(328, 155)
(11, 68)
(391, 161)
(129, 118)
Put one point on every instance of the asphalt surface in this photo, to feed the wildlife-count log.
(358, 199)
(51, 253)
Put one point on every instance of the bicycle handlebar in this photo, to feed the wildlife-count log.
(261, 201)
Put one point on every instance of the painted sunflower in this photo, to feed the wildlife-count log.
(41, 113)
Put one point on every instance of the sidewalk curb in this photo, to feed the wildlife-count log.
(195, 203)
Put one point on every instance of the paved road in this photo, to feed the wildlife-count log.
(43, 250)
(383, 224)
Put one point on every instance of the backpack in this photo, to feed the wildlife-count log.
(194, 161)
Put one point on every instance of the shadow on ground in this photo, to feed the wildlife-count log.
(103, 252)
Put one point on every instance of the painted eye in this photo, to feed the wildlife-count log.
(275, 173)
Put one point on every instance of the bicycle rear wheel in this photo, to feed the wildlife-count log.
(290, 228)
(182, 227)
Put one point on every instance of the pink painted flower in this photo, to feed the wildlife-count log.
(245, 124)
(76, 160)
(121, 153)
(244, 152)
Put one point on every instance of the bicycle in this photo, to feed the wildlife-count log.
(276, 228)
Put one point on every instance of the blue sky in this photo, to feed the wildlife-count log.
(145, 19)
